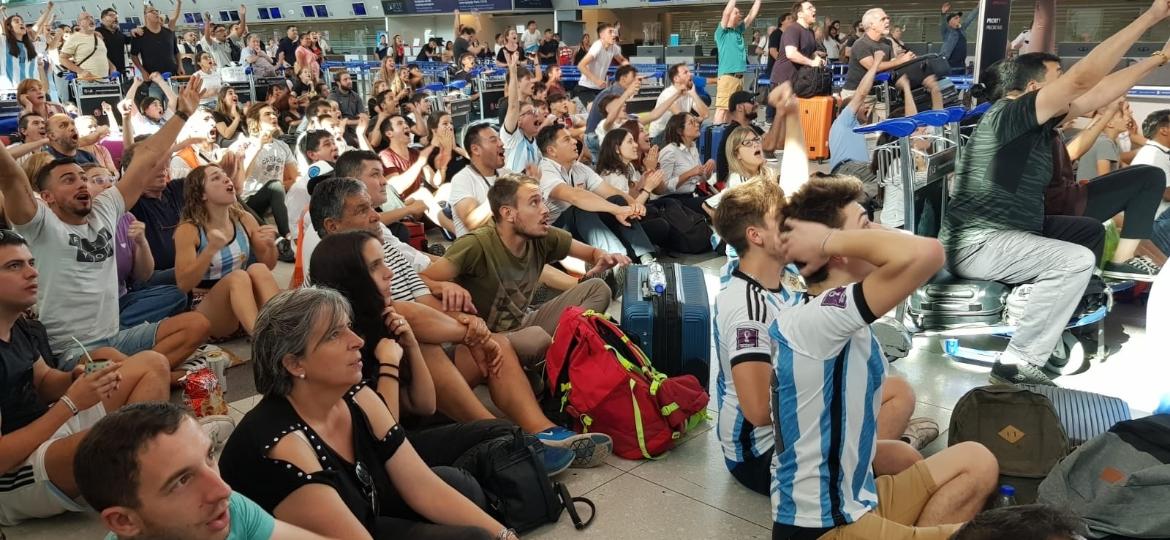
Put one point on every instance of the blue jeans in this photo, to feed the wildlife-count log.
(150, 304)
(602, 230)
(593, 144)
(1161, 235)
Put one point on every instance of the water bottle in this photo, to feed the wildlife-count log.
(656, 278)
(1006, 497)
(1163, 404)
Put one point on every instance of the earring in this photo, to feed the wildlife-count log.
(302, 375)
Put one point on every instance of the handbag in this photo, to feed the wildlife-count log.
(812, 81)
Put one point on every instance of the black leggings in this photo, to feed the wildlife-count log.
(1135, 190)
(271, 197)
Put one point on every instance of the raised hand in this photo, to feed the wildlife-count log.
(946, 7)
(388, 352)
(188, 99)
(879, 56)
(216, 240)
(652, 180)
(137, 232)
(804, 241)
(650, 161)
(265, 235)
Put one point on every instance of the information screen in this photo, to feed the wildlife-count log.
(449, 6)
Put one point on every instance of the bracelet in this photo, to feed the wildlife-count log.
(388, 376)
(825, 242)
(506, 533)
(182, 115)
(1163, 55)
(384, 364)
(69, 403)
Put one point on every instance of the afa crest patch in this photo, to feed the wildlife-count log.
(835, 298)
(747, 338)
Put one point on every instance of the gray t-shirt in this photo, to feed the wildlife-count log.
(1104, 149)
(78, 283)
(864, 48)
(268, 165)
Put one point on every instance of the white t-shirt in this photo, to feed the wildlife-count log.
(552, 175)
(268, 165)
(602, 58)
(893, 210)
(469, 184)
(212, 82)
(530, 41)
(676, 159)
(221, 52)
(685, 103)
(1158, 156)
(78, 283)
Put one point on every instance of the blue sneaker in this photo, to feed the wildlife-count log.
(556, 460)
(589, 449)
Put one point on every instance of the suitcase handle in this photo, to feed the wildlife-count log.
(938, 292)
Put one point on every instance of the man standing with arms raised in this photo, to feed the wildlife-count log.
(594, 65)
(732, 54)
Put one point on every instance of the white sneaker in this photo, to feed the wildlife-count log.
(218, 428)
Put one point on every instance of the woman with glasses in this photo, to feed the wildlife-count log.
(680, 161)
(323, 451)
(745, 162)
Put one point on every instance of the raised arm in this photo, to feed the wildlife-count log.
(141, 171)
(243, 21)
(1079, 145)
(794, 164)
(20, 206)
(751, 16)
(904, 261)
(725, 19)
(866, 84)
(43, 21)
(174, 22)
(1056, 98)
(458, 28)
(1118, 84)
(513, 115)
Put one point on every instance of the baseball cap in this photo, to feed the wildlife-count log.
(954, 14)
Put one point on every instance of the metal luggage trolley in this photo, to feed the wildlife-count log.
(894, 335)
(89, 95)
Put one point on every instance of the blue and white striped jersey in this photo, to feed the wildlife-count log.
(827, 390)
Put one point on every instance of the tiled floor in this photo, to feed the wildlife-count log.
(688, 492)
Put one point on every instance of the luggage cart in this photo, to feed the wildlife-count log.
(89, 95)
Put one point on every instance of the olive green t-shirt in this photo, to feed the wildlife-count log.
(502, 284)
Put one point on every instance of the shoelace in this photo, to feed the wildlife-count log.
(1146, 264)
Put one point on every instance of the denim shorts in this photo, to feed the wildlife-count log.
(128, 342)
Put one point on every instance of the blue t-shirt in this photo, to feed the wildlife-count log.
(732, 54)
(844, 144)
(249, 521)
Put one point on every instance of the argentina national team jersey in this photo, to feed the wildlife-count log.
(829, 372)
(742, 316)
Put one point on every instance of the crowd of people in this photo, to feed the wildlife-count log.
(116, 269)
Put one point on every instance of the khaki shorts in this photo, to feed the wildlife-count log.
(901, 498)
(727, 85)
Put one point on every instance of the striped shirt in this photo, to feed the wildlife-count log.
(17, 68)
(231, 257)
(405, 286)
(826, 394)
(742, 317)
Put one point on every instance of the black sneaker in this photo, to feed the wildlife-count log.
(616, 279)
(1137, 269)
(1019, 374)
(284, 251)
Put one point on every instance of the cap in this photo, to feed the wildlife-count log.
(739, 98)
(319, 168)
(954, 14)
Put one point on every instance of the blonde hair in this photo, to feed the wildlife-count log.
(194, 207)
(734, 141)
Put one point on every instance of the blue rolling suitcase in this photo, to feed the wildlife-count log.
(709, 141)
(1084, 415)
(674, 327)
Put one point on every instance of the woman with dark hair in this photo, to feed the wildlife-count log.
(214, 242)
(323, 451)
(680, 161)
(20, 61)
(617, 164)
(228, 117)
(586, 42)
(353, 264)
(399, 49)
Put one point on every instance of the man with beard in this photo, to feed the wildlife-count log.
(63, 140)
(501, 265)
(78, 300)
(347, 99)
(148, 469)
(469, 187)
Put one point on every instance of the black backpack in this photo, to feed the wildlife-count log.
(689, 232)
(812, 82)
(510, 469)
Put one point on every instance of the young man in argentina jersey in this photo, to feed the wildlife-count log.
(829, 375)
(753, 289)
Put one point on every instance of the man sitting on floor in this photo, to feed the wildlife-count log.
(46, 411)
(829, 375)
(151, 472)
(74, 233)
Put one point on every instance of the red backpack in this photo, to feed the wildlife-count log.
(603, 382)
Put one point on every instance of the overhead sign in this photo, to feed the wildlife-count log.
(992, 40)
(391, 7)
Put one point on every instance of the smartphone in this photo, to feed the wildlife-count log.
(96, 365)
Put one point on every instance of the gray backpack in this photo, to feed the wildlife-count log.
(1119, 481)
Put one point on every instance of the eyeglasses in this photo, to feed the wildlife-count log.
(9, 234)
(368, 487)
(753, 141)
(102, 180)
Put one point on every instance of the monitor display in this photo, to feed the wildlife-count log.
(359, 8)
(274, 13)
(307, 11)
(445, 6)
(322, 11)
(263, 13)
(533, 4)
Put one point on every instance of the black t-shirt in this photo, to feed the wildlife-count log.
(461, 48)
(500, 55)
(797, 36)
(549, 47)
(289, 48)
(722, 170)
(773, 43)
(19, 403)
(579, 55)
(864, 48)
(161, 217)
(246, 466)
(115, 47)
(158, 51)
